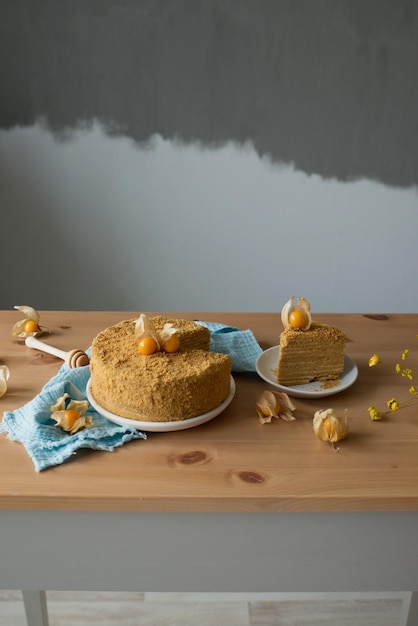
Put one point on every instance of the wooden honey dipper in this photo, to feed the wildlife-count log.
(73, 358)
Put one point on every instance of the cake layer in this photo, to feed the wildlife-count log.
(313, 354)
(160, 387)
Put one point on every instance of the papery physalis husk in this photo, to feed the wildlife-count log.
(64, 413)
(144, 327)
(329, 427)
(4, 377)
(32, 315)
(301, 312)
(167, 332)
(274, 404)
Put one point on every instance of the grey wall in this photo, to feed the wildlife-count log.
(209, 154)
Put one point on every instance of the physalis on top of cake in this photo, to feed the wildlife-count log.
(297, 316)
(150, 340)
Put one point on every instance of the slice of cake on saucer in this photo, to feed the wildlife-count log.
(309, 351)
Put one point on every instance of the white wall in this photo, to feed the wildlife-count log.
(246, 152)
(97, 222)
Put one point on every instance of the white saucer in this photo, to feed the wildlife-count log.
(162, 426)
(266, 366)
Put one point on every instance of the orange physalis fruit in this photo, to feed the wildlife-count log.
(31, 326)
(72, 416)
(172, 344)
(296, 316)
(329, 427)
(147, 345)
(327, 424)
(297, 319)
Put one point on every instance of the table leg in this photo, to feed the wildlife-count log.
(35, 608)
(412, 619)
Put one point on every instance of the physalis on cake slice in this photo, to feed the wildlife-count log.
(30, 325)
(296, 316)
(70, 415)
(150, 340)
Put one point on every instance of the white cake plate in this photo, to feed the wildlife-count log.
(162, 427)
(266, 366)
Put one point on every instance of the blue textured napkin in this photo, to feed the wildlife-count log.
(45, 442)
(241, 345)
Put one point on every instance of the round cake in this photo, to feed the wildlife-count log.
(159, 387)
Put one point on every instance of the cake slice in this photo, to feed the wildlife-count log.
(313, 354)
(308, 350)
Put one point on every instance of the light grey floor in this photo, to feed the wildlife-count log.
(159, 609)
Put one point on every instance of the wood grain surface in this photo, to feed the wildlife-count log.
(232, 463)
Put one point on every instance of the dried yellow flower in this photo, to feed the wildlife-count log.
(274, 404)
(374, 360)
(374, 413)
(393, 404)
(329, 427)
(407, 373)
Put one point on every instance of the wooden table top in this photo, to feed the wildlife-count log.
(233, 462)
